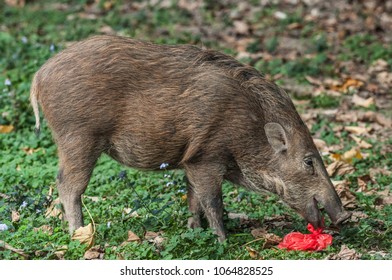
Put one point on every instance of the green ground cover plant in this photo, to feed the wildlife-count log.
(330, 69)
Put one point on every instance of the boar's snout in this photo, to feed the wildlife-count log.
(341, 217)
(334, 208)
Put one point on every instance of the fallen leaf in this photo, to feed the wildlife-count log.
(241, 27)
(278, 221)
(339, 168)
(280, 15)
(361, 143)
(94, 253)
(240, 216)
(357, 215)
(357, 130)
(6, 128)
(378, 66)
(321, 145)
(348, 84)
(60, 252)
(362, 102)
(252, 252)
(15, 216)
(132, 237)
(54, 209)
(346, 196)
(84, 235)
(384, 198)
(385, 78)
(345, 254)
(349, 155)
(362, 184)
(150, 235)
(373, 172)
(6, 246)
(30, 151)
(45, 228)
(270, 238)
(15, 3)
(313, 80)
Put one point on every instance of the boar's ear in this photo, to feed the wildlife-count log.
(276, 136)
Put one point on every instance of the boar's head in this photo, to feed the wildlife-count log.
(295, 171)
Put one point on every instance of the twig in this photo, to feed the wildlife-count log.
(6, 246)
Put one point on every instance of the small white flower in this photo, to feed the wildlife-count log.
(24, 204)
(7, 82)
(108, 224)
(24, 40)
(168, 184)
(3, 227)
(163, 165)
(166, 176)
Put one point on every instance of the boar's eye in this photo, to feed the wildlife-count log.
(308, 162)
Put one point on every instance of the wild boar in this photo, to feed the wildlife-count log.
(199, 110)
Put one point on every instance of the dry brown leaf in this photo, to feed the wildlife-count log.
(150, 235)
(270, 238)
(357, 215)
(384, 78)
(252, 252)
(84, 235)
(373, 172)
(362, 102)
(358, 130)
(94, 253)
(6, 128)
(339, 168)
(30, 151)
(60, 252)
(54, 209)
(348, 84)
(361, 143)
(384, 198)
(240, 216)
(15, 3)
(241, 27)
(6, 246)
(349, 155)
(345, 254)
(278, 221)
(321, 145)
(362, 183)
(378, 66)
(346, 196)
(313, 80)
(15, 216)
(107, 30)
(45, 228)
(132, 237)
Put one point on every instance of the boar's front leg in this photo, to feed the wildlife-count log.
(205, 193)
(77, 157)
(194, 207)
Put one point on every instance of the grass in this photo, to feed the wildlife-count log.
(28, 165)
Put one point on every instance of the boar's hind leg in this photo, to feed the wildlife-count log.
(77, 158)
(206, 191)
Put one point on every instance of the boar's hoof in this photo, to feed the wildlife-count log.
(194, 222)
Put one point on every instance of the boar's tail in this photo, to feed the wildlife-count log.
(34, 103)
